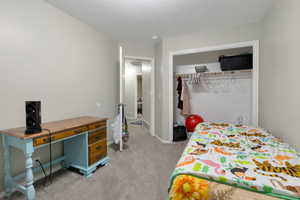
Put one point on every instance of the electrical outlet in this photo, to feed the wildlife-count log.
(35, 164)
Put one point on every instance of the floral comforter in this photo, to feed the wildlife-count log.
(240, 156)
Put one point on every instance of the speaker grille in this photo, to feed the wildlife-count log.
(33, 117)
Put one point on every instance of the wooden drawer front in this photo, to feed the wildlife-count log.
(97, 135)
(58, 136)
(97, 155)
(97, 125)
(98, 146)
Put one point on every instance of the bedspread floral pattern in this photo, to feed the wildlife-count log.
(189, 188)
(241, 156)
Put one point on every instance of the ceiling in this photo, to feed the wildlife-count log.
(128, 20)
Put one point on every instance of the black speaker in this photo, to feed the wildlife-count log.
(33, 117)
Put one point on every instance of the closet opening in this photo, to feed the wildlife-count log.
(217, 83)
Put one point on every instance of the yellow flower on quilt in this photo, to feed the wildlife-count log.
(189, 188)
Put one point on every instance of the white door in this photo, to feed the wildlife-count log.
(121, 88)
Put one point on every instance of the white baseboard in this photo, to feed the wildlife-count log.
(145, 121)
(163, 141)
(146, 124)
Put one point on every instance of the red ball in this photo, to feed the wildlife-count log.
(192, 121)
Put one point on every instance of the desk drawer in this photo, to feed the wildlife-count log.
(97, 154)
(95, 136)
(97, 125)
(58, 136)
(98, 146)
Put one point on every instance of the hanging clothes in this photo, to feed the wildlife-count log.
(186, 108)
(182, 91)
(179, 91)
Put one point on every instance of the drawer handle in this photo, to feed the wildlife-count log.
(98, 147)
(46, 140)
(97, 137)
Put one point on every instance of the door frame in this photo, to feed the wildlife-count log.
(152, 92)
(255, 75)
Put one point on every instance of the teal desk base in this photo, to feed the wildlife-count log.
(75, 155)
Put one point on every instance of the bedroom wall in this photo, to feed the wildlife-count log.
(158, 89)
(279, 75)
(50, 56)
(211, 37)
(138, 48)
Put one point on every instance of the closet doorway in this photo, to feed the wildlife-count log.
(217, 95)
(139, 91)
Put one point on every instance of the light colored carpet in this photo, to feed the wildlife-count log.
(140, 172)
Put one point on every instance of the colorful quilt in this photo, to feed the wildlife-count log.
(241, 156)
(190, 187)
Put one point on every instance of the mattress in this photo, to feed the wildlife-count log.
(239, 157)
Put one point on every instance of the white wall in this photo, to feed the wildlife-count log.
(195, 40)
(279, 75)
(138, 49)
(158, 88)
(48, 55)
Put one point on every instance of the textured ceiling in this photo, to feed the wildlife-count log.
(141, 19)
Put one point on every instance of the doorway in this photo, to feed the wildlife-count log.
(139, 91)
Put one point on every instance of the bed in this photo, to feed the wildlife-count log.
(239, 160)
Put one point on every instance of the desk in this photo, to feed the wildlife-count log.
(85, 148)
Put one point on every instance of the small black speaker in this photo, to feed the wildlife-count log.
(33, 117)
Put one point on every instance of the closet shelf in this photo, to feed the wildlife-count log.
(235, 72)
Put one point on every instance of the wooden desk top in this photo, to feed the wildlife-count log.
(54, 127)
